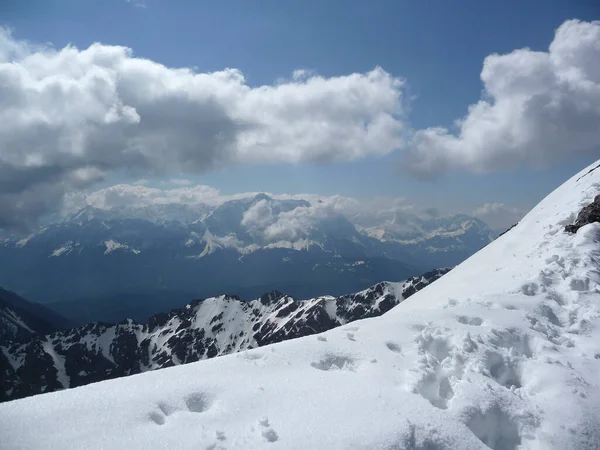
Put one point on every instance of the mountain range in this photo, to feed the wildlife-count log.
(35, 361)
(106, 265)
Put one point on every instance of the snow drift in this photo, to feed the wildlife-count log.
(503, 352)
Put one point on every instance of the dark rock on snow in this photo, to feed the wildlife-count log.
(589, 214)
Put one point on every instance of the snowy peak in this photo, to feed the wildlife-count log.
(203, 329)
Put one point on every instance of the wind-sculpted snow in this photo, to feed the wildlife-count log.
(502, 352)
(203, 329)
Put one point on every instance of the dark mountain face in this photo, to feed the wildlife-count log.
(200, 330)
(20, 319)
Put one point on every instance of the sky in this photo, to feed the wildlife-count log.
(475, 107)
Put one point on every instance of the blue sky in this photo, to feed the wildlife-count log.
(438, 47)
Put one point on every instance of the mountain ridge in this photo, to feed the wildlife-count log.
(200, 330)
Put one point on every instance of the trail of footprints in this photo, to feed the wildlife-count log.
(444, 363)
(497, 355)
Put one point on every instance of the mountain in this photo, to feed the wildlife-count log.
(202, 329)
(20, 319)
(135, 261)
(502, 352)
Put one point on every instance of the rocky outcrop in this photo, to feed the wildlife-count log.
(589, 214)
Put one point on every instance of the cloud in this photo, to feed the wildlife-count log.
(266, 221)
(297, 223)
(69, 117)
(499, 215)
(261, 215)
(137, 4)
(538, 108)
(138, 195)
(181, 181)
(258, 215)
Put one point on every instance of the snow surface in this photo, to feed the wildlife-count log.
(503, 352)
(59, 363)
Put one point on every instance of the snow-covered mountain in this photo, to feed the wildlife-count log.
(170, 253)
(202, 329)
(503, 352)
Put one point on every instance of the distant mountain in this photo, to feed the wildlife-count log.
(20, 319)
(136, 261)
(202, 329)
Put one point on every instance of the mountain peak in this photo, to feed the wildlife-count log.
(262, 196)
(271, 297)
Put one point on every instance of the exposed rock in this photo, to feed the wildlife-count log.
(506, 231)
(589, 214)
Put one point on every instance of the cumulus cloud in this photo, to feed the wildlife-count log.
(499, 215)
(537, 107)
(68, 117)
(258, 215)
(297, 223)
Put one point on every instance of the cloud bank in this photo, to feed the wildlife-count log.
(538, 108)
(68, 117)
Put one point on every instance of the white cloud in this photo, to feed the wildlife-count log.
(258, 215)
(538, 107)
(138, 195)
(297, 223)
(69, 117)
(137, 4)
(499, 215)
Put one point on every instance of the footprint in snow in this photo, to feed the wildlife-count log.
(476, 321)
(268, 433)
(393, 347)
(197, 402)
(252, 356)
(334, 362)
(157, 417)
(221, 435)
(160, 417)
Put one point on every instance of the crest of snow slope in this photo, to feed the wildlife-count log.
(503, 352)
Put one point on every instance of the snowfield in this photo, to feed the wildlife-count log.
(503, 352)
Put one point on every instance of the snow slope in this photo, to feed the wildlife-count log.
(503, 352)
(202, 329)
